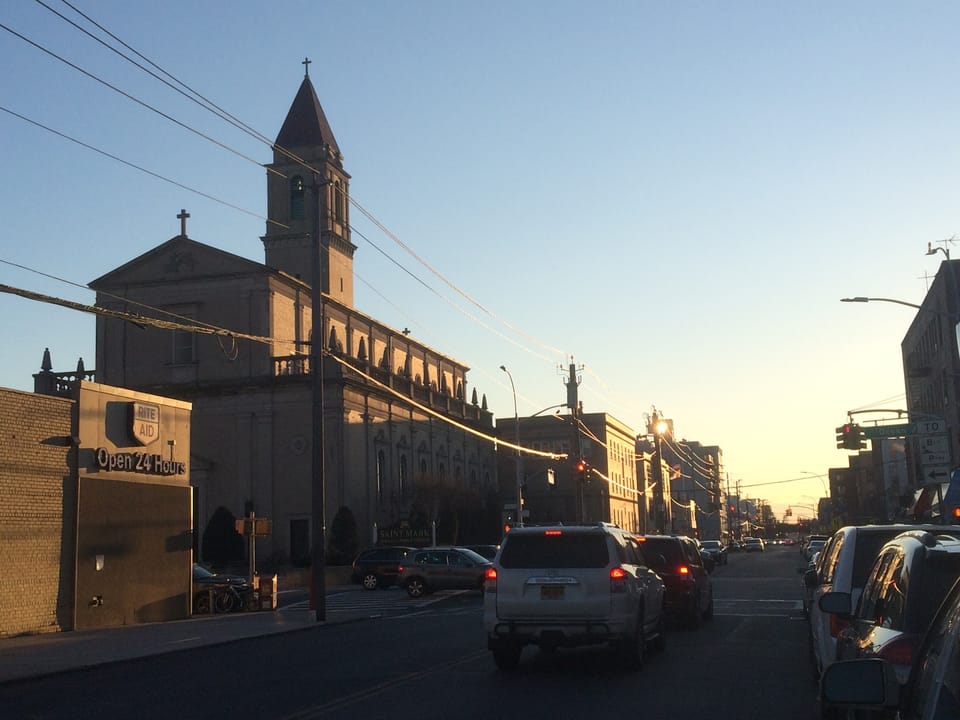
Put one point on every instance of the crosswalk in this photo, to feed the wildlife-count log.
(761, 607)
(375, 603)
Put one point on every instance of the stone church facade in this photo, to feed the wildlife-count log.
(404, 445)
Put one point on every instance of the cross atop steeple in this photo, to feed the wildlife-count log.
(306, 66)
(183, 221)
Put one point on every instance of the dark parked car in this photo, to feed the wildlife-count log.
(909, 579)
(689, 589)
(379, 567)
(442, 568)
(221, 593)
(487, 551)
(931, 691)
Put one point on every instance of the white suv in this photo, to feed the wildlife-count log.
(572, 585)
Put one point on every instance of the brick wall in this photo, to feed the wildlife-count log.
(36, 543)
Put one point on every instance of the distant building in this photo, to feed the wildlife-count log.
(608, 493)
(407, 447)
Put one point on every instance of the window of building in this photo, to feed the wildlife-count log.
(381, 470)
(184, 347)
(297, 198)
(404, 481)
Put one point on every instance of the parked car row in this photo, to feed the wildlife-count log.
(874, 592)
(423, 570)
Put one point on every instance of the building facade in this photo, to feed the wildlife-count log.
(97, 524)
(403, 444)
(931, 370)
(553, 489)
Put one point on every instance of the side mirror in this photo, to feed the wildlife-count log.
(835, 603)
(866, 683)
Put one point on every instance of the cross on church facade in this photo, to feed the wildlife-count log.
(182, 217)
(306, 66)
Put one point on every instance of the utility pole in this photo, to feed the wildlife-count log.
(576, 451)
(658, 496)
(318, 582)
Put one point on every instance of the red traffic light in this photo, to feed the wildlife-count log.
(581, 465)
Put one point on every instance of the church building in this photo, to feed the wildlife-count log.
(407, 447)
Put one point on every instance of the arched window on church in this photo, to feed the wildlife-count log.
(381, 473)
(404, 480)
(297, 198)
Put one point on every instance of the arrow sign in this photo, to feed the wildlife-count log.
(935, 474)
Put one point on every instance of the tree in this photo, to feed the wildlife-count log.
(343, 544)
(222, 544)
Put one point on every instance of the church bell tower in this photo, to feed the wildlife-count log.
(305, 150)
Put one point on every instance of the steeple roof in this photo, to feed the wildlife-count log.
(306, 124)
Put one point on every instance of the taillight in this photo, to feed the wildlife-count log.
(618, 580)
(490, 580)
(399, 568)
(553, 533)
(683, 570)
(898, 651)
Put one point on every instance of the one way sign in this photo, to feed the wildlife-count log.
(939, 473)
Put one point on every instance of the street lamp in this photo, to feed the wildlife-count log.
(818, 476)
(861, 299)
(516, 422)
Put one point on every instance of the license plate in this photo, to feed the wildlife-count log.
(551, 592)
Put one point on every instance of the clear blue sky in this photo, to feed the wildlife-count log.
(674, 195)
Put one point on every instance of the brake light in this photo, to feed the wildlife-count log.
(898, 651)
(618, 580)
(490, 580)
(553, 532)
(683, 570)
(399, 568)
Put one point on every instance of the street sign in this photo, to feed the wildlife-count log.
(934, 458)
(889, 431)
(934, 444)
(937, 473)
(930, 427)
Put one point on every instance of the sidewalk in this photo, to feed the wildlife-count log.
(29, 656)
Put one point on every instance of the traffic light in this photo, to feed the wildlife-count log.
(850, 437)
(580, 467)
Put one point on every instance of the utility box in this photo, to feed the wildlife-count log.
(268, 592)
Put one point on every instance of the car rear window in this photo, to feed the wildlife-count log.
(670, 549)
(565, 550)
(868, 547)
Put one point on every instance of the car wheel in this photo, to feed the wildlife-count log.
(369, 581)
(416, 588)
(632, 648)
(506, 654)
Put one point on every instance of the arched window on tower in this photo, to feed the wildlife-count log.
(338, 202)
(297, 198)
